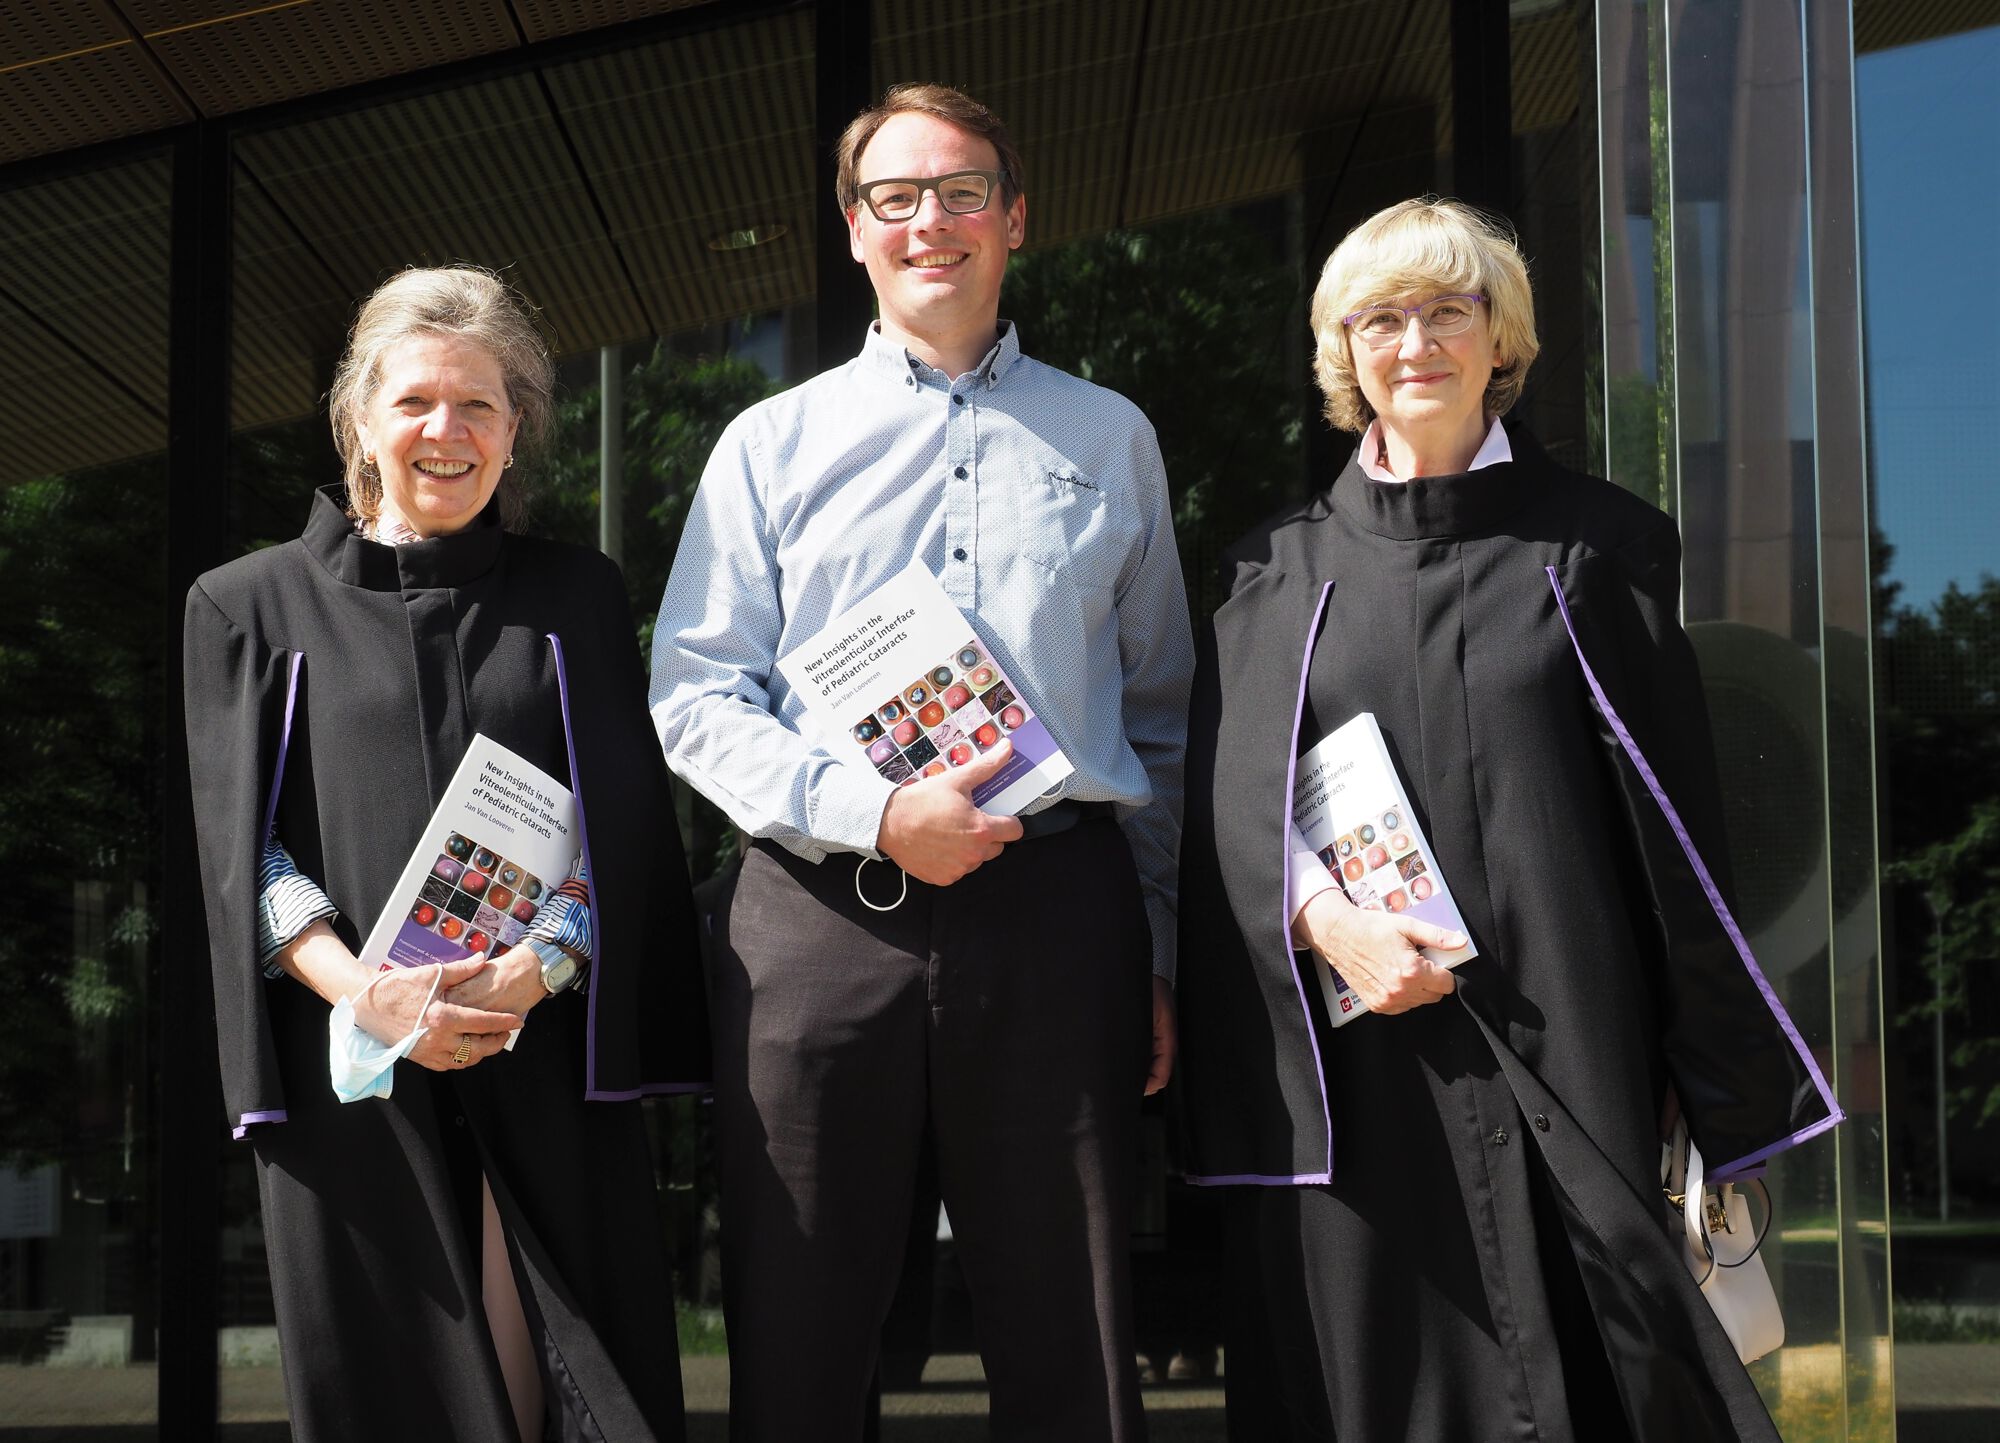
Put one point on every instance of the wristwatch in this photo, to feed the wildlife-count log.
(559, 969)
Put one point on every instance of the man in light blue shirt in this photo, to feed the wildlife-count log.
(1010, 993)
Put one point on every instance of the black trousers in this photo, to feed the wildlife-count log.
(1008, 1015)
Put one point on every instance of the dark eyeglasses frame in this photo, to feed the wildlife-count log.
(934, 184)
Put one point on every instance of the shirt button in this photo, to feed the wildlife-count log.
(959, 473)
(958, 553)
(958, 400)
(1542, 1121)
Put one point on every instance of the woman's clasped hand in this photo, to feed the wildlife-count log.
(1378, 954)
(399, 1001)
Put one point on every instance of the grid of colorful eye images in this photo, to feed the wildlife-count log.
(1380, 865)
(474, 897)
(944, 718)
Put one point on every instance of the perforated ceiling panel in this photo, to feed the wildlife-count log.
(1547, 59)
(275, 54)
(152, 16)
(478, 173)
(1059, 74)
(53, 105)
(689, 140)
(1226, 95)
(1235, 94)
(72, 74)
(83, 319)
(598, 184)
(544, 19)
(38, 28)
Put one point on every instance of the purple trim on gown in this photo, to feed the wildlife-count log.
(1303, 1179)
(1736, 1166)
(591, 1090)
(242, 1128)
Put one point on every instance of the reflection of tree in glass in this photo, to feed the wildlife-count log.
(273, 472)
(1635, 437)
(81, 582)
(81, 576)
(1938, 671)
(1199, 321)
(675, 409)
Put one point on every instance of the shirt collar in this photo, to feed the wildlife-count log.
(387, 530)
(883, 357)
(1492, 451)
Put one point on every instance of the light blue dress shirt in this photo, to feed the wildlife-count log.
(1040, 502)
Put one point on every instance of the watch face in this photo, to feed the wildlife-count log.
(558, 975)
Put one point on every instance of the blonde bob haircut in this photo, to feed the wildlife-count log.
(466, 303)
(1418, 248)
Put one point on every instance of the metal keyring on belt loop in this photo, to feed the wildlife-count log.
(876, 906)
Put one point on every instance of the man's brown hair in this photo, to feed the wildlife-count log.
(941, 102)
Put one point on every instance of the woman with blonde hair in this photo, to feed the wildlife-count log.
(464, 1238)
(1448, 1215)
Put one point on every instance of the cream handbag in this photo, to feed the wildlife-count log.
(1720, 1248)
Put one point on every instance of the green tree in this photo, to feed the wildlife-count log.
(1938, 673)
(675, 410)
(81, 582)
(1199, 321)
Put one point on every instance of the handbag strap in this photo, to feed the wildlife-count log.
(1693, 1199)
(1764, 1231)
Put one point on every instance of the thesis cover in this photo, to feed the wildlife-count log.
(899, 683)
(504, 837)
(1350, 806)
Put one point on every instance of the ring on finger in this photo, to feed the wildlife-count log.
(464, 1053)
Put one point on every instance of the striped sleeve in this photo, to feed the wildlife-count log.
(288, 901)
(565, 917)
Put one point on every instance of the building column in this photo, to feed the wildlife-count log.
(611, 453)
(189, 1125)
(1482, 105)
(845, 76)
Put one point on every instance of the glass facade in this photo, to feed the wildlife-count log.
(1722, 216)
(1730, 395)
(1921, 107)
(82, 606)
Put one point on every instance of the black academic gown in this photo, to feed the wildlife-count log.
(360, 672)
(1453, 1216)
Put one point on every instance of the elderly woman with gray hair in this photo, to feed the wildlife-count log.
(467, 1247)
(1447, 1215)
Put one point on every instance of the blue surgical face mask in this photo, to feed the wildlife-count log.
(357, 1064)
